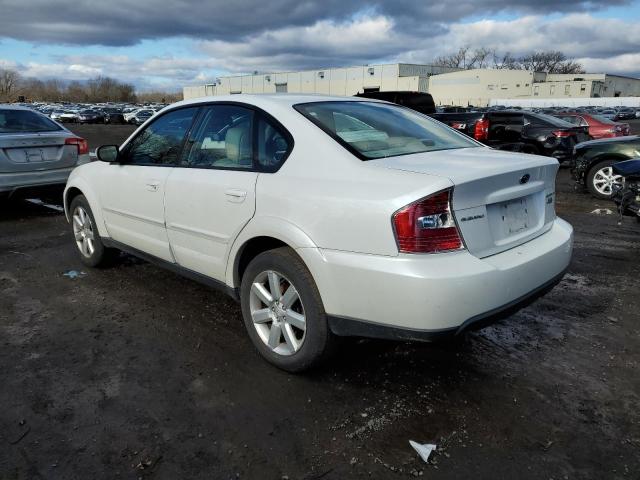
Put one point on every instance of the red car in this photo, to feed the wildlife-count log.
(599, 127)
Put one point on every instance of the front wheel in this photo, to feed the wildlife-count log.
(283, 311)
(93, 253)
(601, 181)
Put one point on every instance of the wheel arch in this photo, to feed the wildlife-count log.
(77, 186)
(601, 158)
(258, 236)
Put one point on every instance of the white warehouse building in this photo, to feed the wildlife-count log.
(330, 81)
(479, 86)
(448, 86)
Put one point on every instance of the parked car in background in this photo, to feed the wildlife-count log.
(141, 116)
(591, 165)
(418, 101)
(608, 113)
(520, 131)
(113, 115)
(35, 151)
(599, 127)
(625, 113)
(90, 116)
(69, 116)
(443, 235)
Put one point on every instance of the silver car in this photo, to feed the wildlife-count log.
(35, 151)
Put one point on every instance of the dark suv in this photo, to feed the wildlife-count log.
(519, 131)
(418, 101)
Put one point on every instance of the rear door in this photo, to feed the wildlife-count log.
(210, 196)
(31, 142)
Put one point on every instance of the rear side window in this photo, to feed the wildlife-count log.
(25, 121)
(273, 146)
(375, 130)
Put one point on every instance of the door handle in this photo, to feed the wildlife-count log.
(152, 186)
(235, 195)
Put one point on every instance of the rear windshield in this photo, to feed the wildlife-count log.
(553, 121)
(376, 130)
(25, 121)
(604, 120)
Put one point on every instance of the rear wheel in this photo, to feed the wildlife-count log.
(601, 181)
(283, 311)
(93, 253)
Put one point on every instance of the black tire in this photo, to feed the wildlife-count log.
(589, 180)
(318, 342)
(101, 256)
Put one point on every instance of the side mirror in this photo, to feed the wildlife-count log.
(108, 153)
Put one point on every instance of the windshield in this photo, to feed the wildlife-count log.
(18, 121)
(376, 130)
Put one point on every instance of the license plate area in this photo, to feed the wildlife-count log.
(33, 155)
(514, 219)
(515, 216)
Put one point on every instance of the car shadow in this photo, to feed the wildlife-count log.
(25, 206)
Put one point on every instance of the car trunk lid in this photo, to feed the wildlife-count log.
(26, 152)
(500, 199)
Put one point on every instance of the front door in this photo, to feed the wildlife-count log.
(132, 190)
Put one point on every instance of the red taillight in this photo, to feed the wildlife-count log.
(427, 226)
(81, 143)
(481, 132)
(562, 133)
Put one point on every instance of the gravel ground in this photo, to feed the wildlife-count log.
(133, 372)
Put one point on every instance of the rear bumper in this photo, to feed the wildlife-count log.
(10, 182)
(428, 296)
(349, 327)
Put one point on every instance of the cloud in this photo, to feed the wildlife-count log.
(281, 35)
(165, 72)
(326, 43)
(127, 22)
(370, 39)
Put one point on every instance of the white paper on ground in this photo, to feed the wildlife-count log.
(424, 450)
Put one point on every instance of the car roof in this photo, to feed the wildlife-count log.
(275, 99)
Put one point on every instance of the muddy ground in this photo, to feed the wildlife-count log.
(134, 372)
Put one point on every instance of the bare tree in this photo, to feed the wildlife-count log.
(480, 58)
(159, 97)
(548, 62)
(9, 80)
(505, 61)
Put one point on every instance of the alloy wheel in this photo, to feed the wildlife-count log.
(83, 231)
(604, 181)
(277, 312)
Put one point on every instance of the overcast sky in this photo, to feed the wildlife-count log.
(170, 43)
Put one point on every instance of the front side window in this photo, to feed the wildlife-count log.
(376, 130)
(160, 142)
(25, 121)
(222, 139)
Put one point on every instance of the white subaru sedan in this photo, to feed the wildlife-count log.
(326, 217)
